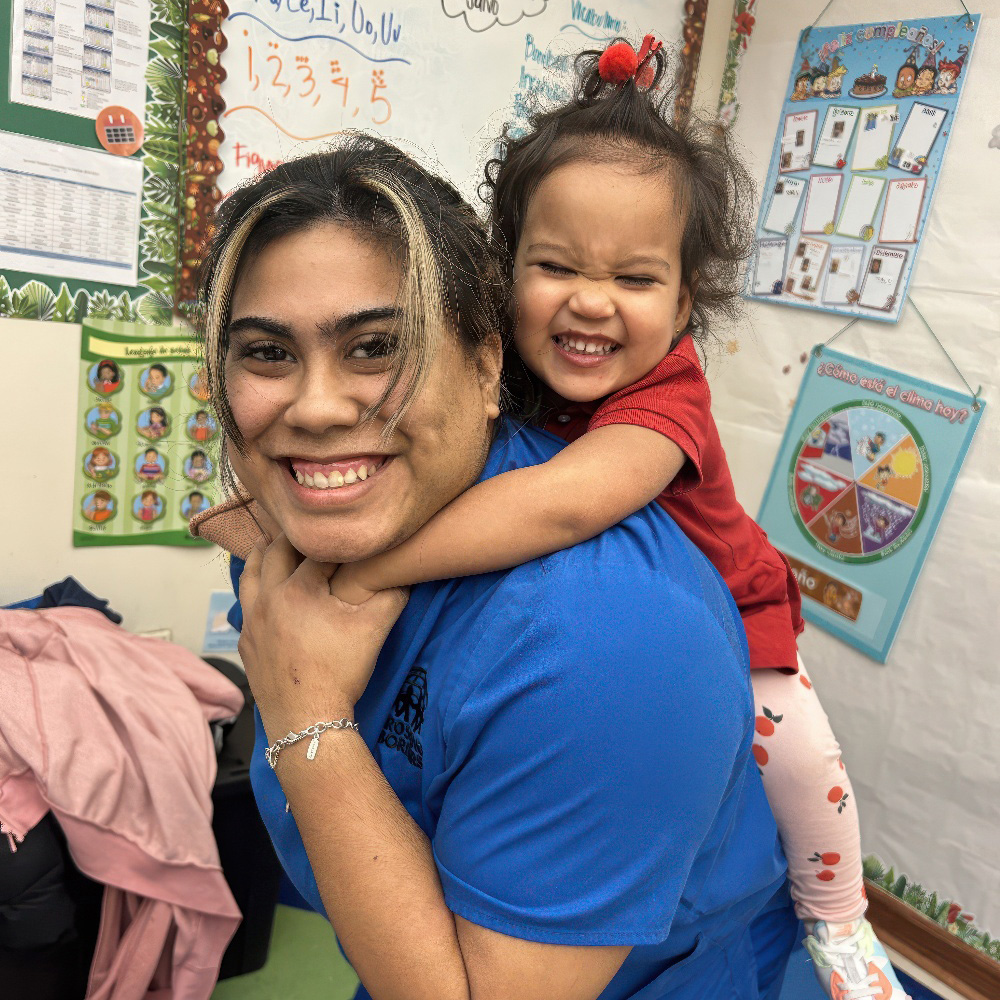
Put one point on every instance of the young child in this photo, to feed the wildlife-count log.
(108, 377)
(151, 470)
(627, 233)
(148, 506)
(157, 426)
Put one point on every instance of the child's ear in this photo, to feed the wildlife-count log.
(685, 302)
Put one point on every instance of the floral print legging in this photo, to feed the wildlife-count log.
(810, 795)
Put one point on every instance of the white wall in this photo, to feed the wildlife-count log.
(920, 734)
(153, 586)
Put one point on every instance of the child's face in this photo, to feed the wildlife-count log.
(106, 374)
(198, 462)
(104, 411)
(154, 379)
(904, 79)
(100, 503)
(195, 504)
(148, 501)
(201, 419)
(151, 455)
(597, 279)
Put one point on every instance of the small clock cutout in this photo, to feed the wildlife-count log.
(119, 130)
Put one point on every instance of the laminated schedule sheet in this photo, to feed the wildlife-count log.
(67, 211)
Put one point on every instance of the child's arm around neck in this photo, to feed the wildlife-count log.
(592, 484)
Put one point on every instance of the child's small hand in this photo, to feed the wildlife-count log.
(347, 585)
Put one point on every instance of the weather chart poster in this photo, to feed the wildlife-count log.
(860, 143)
(145, 459)
(864, 473)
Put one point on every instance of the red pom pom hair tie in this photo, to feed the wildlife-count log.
(619, 62)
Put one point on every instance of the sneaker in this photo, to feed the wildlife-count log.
(851, 963)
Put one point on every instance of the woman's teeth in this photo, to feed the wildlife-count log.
(584, 346)
(335, 480)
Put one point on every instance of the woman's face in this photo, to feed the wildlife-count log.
(310, 321)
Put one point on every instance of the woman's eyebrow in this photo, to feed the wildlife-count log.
(261, 324)
(333, 328)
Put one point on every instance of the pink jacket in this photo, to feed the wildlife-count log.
(109, 731)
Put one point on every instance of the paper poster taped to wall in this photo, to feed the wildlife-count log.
(145, 462)
(860, 143)
(865, 470)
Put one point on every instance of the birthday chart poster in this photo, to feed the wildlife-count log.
(860, 143)
(145, 461)
(865, 469)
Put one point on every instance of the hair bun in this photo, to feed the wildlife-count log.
(618, 63)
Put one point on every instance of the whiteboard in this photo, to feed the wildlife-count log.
(440, 77)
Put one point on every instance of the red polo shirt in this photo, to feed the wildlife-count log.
(674, 399)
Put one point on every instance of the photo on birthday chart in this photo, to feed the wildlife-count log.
(105, 377)
(874, 137)
(797, 141)
(103, 420)
(881, 283)
(822, 199)
(153, 423)
(835, 136)
(803, 271)
(100, 464)
(156, 381)
(99, 506)
(148, 506)
(919, 133)
(857, 215)
(784, 205)
(904, 201)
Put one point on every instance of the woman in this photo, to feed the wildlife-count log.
(537, 802)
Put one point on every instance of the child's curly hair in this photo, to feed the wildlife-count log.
(630, 124)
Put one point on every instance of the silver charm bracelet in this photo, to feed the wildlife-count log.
(271, 753)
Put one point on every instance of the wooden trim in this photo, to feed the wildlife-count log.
(930, 947)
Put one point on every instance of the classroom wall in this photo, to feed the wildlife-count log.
(919, 734)
(153, 586)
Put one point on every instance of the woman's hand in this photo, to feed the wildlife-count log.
(308, 655)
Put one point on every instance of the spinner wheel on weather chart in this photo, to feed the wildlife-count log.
(859, 481)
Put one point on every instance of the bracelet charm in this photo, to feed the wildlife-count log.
(271, 753)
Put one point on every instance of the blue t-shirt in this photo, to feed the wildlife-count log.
(573, 736)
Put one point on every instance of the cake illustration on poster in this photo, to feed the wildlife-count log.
(862, 136)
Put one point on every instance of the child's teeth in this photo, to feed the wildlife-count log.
(591, 348)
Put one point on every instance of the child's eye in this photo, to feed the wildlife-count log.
(554, 268)
(376, 346)
(637, 280)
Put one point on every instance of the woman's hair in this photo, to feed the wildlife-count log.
(632, 125)
(451, 276)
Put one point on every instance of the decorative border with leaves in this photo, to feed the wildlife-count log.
(944, 912)
(695, 12)
(740, 31)
(160, 219)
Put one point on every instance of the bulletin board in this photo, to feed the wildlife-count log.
(89, 220)
(860, 144)
(270, 81)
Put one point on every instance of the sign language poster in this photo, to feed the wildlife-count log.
(145, 458)
(864, 473)
(860, 143)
